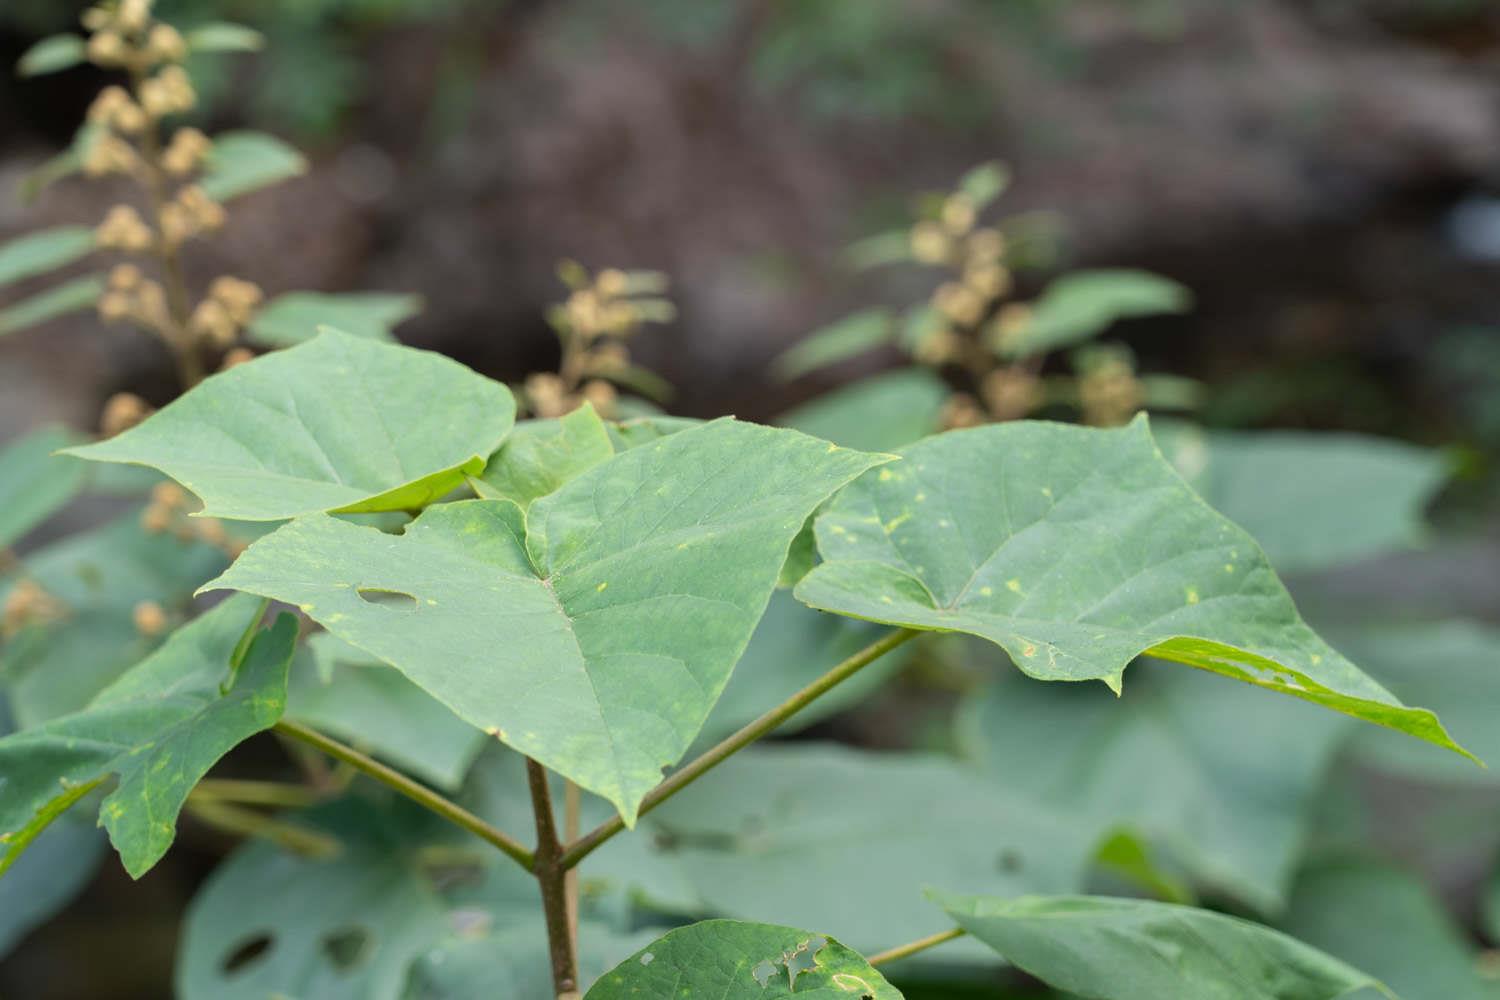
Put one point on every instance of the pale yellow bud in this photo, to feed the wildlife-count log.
(986, 245)
(929, 244)
(236, 356)
(114, 307)
(990, 281)
(151, 305)
(97, 18)
(206, 213)
(109, 154)
(155, 520)
(961, 410)
(107, 49)
(186, 152)
(166, 44)
(544, 391)
(149, 617)
(238, 297)
(583, 313)
(1011, 393)
(123, 229)
(1011, 323)
(177, 224)
(211, 530)
(619, 318)
(612, 283)
(108, 101)
(122, 411)
(959, 303)
(938, 346)
(124, 277)
(610, 357)
(601, 394)
(212, 322)
(958, 214)
(169, 495)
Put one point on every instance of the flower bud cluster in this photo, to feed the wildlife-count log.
(28, 603)
(168, 513)
(132, 297)
(227, 309)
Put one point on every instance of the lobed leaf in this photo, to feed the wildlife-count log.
(35, 483)
(40, 252)
(1131, 949)
(1077, 550)
(336, 424)
(297, 316)
(160, 727)
(592, 632)
(734, 960)
(242, 162)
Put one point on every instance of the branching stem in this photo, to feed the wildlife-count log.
(686, 775)
(552, 876)
(415, 791)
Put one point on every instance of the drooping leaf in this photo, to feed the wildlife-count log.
(733, 960)
(373, 706)
(377, 921)
(1312, 500)
(595, 631)
(296, 316)
(336, 424)
(1083, 304)
(1076, 550)
(1452, 666)
(839, 341)
(52, 55)
(34, 483)
(793, 646)
(160, 727)
(56, 665)
(1180, 758)
(242, 162)
(846, 840)
(882, 413)
(70, 296)
(224, 36)
(1130, 949)
(40, 252)
(1389, 924)
(541, 455)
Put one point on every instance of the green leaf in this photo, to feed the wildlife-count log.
(1313, 500)
(374, 706)
(731, 960)
(845, 840)
(57, 667)
(224, 36)
(356, 926)
(593, 632)
(1130, 949)
(541, 455)
(296, 316)
(338, 423)
(1454, 667)
(633, 433)
(34, 483)
(52, 55)
(160, 727)
(1083, 304)
(242, 162)
(1233, 814)
(1388, 923)
(40, 252)
(70, 296)
(793, 646)
(64, 164)
(984, 183)
(882, 413)
(847, 338)
(1076, 550)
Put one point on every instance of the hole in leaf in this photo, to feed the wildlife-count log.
(346, 948)
(763, 972)
(1009, 861)
(245, 954)
(393, 599)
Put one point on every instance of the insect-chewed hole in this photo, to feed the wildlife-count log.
(346, 947)
(1009, 861)
(393, 599)
(245, 954)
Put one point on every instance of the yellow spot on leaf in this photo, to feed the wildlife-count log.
(986, 591)
(1192, 595)
(1014, 586)
(600, 588)
(1029, 649)
(885, 475)
(896, 522)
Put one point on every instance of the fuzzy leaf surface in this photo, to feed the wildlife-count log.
(339, 423)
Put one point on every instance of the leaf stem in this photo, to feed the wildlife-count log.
(921, 944)
(418, 793)
(682, 777)
(552, 876)
(241, 821)
(257, 793)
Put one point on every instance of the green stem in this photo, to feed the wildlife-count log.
(680, 779)
(921, 944)
(418, 793)
(256, 793)
(249, 823)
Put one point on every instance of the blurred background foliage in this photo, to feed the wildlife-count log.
(1322, 176)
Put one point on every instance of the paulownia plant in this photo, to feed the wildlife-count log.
(580, 592)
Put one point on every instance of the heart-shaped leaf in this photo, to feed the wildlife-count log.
(339, 423)
(1076, 550)
(592, 633)
(160, 727)
(1131, 949)
(732, 960)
